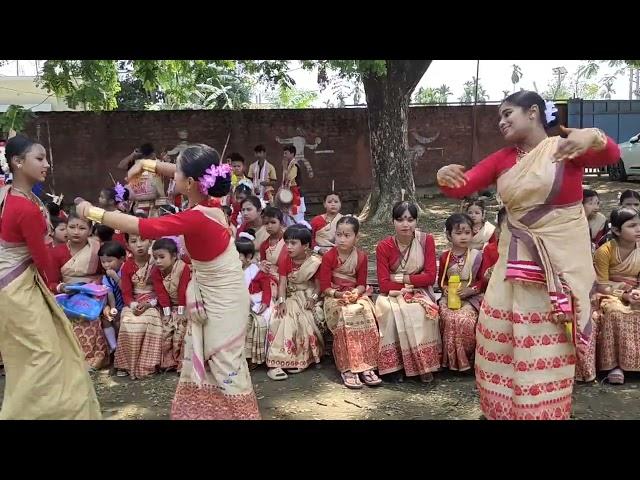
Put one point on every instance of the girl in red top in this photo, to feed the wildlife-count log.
(273, 247)
(598, 223)
(458, 327)
(215, 381)
(110, 199)
(252, 219)
(78, 261)
(59, 234)
(490, 252)
(295, 341)
(522, 327)
(240, 195)
(259, 285)
(46, 375)
(406, 309)
(170, 278)
(139, 351)
(323, 227)
(483, 231)
(349, 313)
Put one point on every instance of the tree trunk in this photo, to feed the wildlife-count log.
(388, 99)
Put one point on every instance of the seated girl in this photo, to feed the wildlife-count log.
(630, 199)
(170, 277)
(139, 352)
(112, 200)
(252, 219)
(348, 310)
(59, 234)
(273, 247)
(295, 341)
(483, 231)
(259, 285)
(406, 309)
(241, 193)
(112, 257)
(323, 227)
(78, 261)
(617, 265)
(458, 326)
(598, 223)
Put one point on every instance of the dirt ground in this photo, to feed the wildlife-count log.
(318, 394)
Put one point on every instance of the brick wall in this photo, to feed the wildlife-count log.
(88, 145)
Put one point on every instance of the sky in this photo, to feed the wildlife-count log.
(495, 76)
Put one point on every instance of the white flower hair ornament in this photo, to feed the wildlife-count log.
(550, 111)
(4, 165)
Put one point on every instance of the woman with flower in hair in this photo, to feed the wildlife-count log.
(214, 381)
(535, 313)
(112, 200)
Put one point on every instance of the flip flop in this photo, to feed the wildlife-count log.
(277, 374)
(296, 370)
(351, 380)
(370, 378)
(616, 377)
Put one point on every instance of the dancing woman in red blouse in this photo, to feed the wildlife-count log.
(530, 322)
(45, 367)
(214, 382)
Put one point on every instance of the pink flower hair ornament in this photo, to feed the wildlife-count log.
(120, 191)
(208, 180)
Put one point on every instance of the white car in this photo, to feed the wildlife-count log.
(629, 160)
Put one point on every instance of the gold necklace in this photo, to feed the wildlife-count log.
(142, 280)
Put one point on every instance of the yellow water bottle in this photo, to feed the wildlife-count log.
(453, 299)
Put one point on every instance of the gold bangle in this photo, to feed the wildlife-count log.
(600, 141)
(149, 165)
(96, 214)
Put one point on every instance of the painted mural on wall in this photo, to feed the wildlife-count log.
(300, 142)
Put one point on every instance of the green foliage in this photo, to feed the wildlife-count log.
(292, 97)
(15, 118)
(93, 84)
(468, 95)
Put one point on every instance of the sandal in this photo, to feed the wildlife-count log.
(351, 380)
(122, 373)
(616, 376)
(277, 374)
(296, 370)
(370, 378)
(426, 377)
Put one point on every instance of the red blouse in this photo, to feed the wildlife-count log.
(489, 259)
(487, 171)
(477, 282)
(23, 222)
(387, 254)
(261, 283)
(331, 261)
(286, 266)
(60, 255)
(235, 212)
(317, 223)
(164, 299)
(204, 238)
(129, 268)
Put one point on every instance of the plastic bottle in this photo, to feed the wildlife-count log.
(453, 299)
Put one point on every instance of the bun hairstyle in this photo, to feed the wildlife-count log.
(620, 216)
(194, 162)
(244, 244)
(17, 146)
(525, 99)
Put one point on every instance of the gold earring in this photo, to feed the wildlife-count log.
(19, 165)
